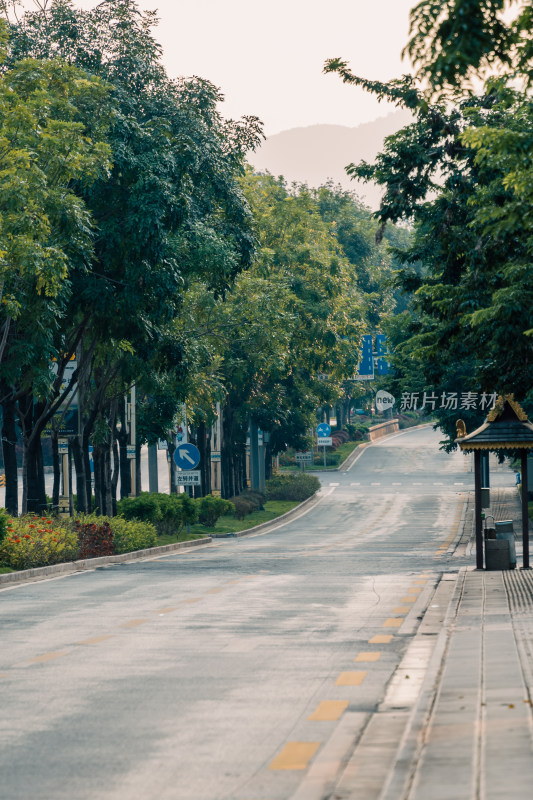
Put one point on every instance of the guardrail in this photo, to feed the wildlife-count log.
(383, 429)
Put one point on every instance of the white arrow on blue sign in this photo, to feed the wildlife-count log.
(186, 456)
(323, 430)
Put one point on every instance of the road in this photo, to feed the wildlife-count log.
(245, 669)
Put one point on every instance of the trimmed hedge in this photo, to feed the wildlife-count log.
(247, 502)
(169, 513)
(292, 487)
(130, 535)
(211, 508)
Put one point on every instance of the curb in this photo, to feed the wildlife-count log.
(37, 573)
(355, 452)
(286, 517)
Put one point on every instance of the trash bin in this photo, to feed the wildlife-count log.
(505, 532)
(497, 554)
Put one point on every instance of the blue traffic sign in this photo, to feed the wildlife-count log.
(323, 430)
(186, 456)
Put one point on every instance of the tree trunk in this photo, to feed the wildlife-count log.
(138, 474)
(9, 448)
(79, 467)
(97, 461)
(108, 485)
(115, 475)
(226, 466)
(57, 470)
(36, 497)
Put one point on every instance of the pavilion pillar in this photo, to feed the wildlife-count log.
(525, 516)
(477, 509)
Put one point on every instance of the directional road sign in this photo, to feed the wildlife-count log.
(191, 477)
(323, 430)
(186, 456)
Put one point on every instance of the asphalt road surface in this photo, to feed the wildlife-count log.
(245, 669)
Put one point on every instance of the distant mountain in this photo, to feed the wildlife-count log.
(316, 153)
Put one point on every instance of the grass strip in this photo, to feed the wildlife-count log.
(272, 509)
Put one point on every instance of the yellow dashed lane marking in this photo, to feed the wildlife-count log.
(95, 639)
(393, 622)
(350, 679)
(47, 657)
(409, 599)
(368, 656)
(214, 591)
(133, 623)
(424, 576)
(415, 590)
(401, 609)
(295, 755)
(165, 610)
(3, 674)
(381, 638)
(419, 583)
(193, 600)
(329, 710)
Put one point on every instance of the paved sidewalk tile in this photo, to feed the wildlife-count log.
(479, 739)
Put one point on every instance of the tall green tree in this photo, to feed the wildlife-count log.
(171, 197)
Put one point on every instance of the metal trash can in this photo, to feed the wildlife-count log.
(505, 532)
(497, 554)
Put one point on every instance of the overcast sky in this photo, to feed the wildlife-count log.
(267, 57)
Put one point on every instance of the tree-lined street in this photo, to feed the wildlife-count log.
(243, 669)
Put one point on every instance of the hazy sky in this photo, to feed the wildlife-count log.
(267, 57)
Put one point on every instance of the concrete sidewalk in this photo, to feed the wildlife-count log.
(461, 725)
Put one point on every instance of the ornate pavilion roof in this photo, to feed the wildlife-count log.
(506, 428)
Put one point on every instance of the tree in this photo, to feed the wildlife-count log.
(46, 231)
(453, 40)
(171, 198)
(457, 173)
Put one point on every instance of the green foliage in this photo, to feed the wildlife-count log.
(176, 512)
(292, 487)
(145, 507)
(169, 513)
(130, 535)
(211, 508)
(4, 523)
(32, 541)
(453, 39)
(461, 176)
(247, 502)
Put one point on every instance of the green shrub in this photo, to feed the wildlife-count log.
(33, 541)
(130, 535)
(243, 506)
(177, 510)
(4, 521)
(247, 502)
(332, 459)
(211, 508)
(145, 507)
(292, 487)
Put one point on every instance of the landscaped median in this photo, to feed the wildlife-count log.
(34, 547)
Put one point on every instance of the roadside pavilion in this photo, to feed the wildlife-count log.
(506, 429)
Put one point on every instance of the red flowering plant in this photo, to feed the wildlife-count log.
(95, 538)
(33, 541)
